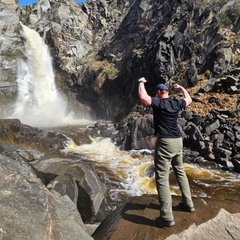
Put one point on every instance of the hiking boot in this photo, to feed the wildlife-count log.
(163, 223)
(186, 208)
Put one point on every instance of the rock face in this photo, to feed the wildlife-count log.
(10, 50)
(30, 211)
(11, 3)
(100, 48)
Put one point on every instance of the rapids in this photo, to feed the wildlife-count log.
(131, 173)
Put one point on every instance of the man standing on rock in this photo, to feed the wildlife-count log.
(168, 150)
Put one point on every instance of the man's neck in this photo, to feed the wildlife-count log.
(165, 95)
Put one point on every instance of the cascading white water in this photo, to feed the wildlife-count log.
(132, 173)
(38, 101)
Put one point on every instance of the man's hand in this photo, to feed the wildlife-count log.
(177, 86)
(142, 79)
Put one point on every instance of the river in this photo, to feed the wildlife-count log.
(131, 173)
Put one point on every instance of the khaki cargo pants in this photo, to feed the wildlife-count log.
(168, 153)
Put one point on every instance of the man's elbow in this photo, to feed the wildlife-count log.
(141, 99)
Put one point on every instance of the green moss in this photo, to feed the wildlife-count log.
(108, 71)
(89, 53)
(111, 72)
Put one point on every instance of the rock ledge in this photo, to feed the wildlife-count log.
(213, 219)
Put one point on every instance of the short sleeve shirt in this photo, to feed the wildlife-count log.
(165, 114)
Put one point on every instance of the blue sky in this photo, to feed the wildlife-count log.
(29, 2)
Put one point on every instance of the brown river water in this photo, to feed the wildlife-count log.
(131, 173)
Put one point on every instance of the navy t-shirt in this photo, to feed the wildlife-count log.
(165, 114)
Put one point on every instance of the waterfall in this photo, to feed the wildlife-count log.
(38, 102)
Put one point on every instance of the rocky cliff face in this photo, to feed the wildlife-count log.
(11, 3)
(10, 48)
(100, 48)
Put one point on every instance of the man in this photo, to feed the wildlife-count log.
(168, 150)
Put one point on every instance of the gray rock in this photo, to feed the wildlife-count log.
(213, 229)
(211, 126)
(193, 132)
(30, 211)
(142, 133)
(208, 86)
(77, 180)
(65, 185)
(222, 153)
(10, 50)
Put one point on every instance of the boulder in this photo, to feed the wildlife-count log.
(211, 126)
(142, 133)
(77, 180)
(30, 211)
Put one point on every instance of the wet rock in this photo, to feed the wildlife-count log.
(10, 50)
(236, 163)
(142, 133)
(50, 142)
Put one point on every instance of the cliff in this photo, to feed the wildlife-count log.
(100, 48)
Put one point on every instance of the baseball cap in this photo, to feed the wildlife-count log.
(162, 86)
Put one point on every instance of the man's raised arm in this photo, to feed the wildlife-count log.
(142, 93)
(186, 95)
